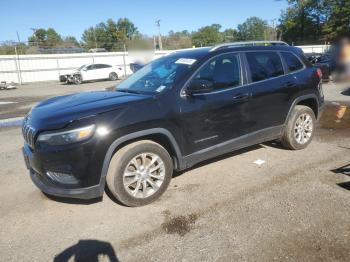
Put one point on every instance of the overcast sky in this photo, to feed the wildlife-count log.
(72, 17)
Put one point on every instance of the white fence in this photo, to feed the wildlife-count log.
(314, 48)
(34, 68)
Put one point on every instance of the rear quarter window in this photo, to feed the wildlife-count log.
(264, 65)
(293, 63)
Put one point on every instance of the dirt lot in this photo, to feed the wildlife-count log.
(17, 102)
(295, 207)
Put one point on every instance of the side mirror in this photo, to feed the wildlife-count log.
(199, 86)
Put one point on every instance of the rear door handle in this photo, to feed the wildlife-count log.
(241, 96)
(290, 84)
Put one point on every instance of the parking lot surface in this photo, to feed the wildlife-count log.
(293, 207)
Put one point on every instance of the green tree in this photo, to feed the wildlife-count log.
(207, 36)
(53, 39)
(45, 38)
(252, 29)
(337, 23)
(126, 29)
(38, 38)
(69, 42)
(177, 40)
(230, 35)
(109, 35)
(98, 37)
(302, 22)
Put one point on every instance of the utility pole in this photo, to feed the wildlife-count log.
(159, 35)
(19, 64)
(94, 32)
(274, 36)
(17, 67)
(124, 60)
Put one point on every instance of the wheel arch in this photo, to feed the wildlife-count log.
(309, 100)
(159, 135)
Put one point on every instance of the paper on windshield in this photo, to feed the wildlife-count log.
(160, 89)
(185, 61)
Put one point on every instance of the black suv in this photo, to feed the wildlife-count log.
(179, 110)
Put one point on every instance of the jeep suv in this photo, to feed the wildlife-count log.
(177, 111)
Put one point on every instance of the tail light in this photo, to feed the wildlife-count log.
(319, 73)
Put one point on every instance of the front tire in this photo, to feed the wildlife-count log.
(300, 128)
(139, 173)
(77, 79)
(113, 76)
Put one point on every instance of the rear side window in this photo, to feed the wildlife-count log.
(100, 66)
(292, 61)
(264, 65)
(104, 66)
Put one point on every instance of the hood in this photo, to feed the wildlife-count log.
(74, 71)
(58, 111)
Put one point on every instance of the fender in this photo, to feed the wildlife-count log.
(299, 99)
(134, 135)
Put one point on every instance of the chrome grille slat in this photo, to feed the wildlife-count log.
(31, 135)
(28, 134)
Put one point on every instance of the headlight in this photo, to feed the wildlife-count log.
(67, 137)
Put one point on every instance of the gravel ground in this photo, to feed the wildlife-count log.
(295, 207)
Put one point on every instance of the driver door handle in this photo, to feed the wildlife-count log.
(243, 96)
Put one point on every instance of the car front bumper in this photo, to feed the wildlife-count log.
(81, 193)
(50, 186)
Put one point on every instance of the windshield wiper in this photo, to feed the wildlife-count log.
(128, 91)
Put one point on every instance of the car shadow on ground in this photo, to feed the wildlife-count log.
(74, 201)
(345, 185)
(219, 158)
(346, 92)
(88, 250)
(345, 170)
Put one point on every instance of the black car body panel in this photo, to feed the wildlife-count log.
(192, 128)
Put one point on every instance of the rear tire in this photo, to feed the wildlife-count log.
(300, 128)
(113, 76)
(130, 177)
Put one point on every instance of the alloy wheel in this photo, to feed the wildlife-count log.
(303, 128)
(144, 175)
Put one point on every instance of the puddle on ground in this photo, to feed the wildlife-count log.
(180, 225)
(335, 116)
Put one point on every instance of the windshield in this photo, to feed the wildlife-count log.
(157, 76)
(81, 67)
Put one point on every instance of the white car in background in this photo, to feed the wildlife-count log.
(91, 72)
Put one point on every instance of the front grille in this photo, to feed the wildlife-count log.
(28, 134)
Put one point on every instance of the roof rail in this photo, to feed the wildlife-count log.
(248, 43)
